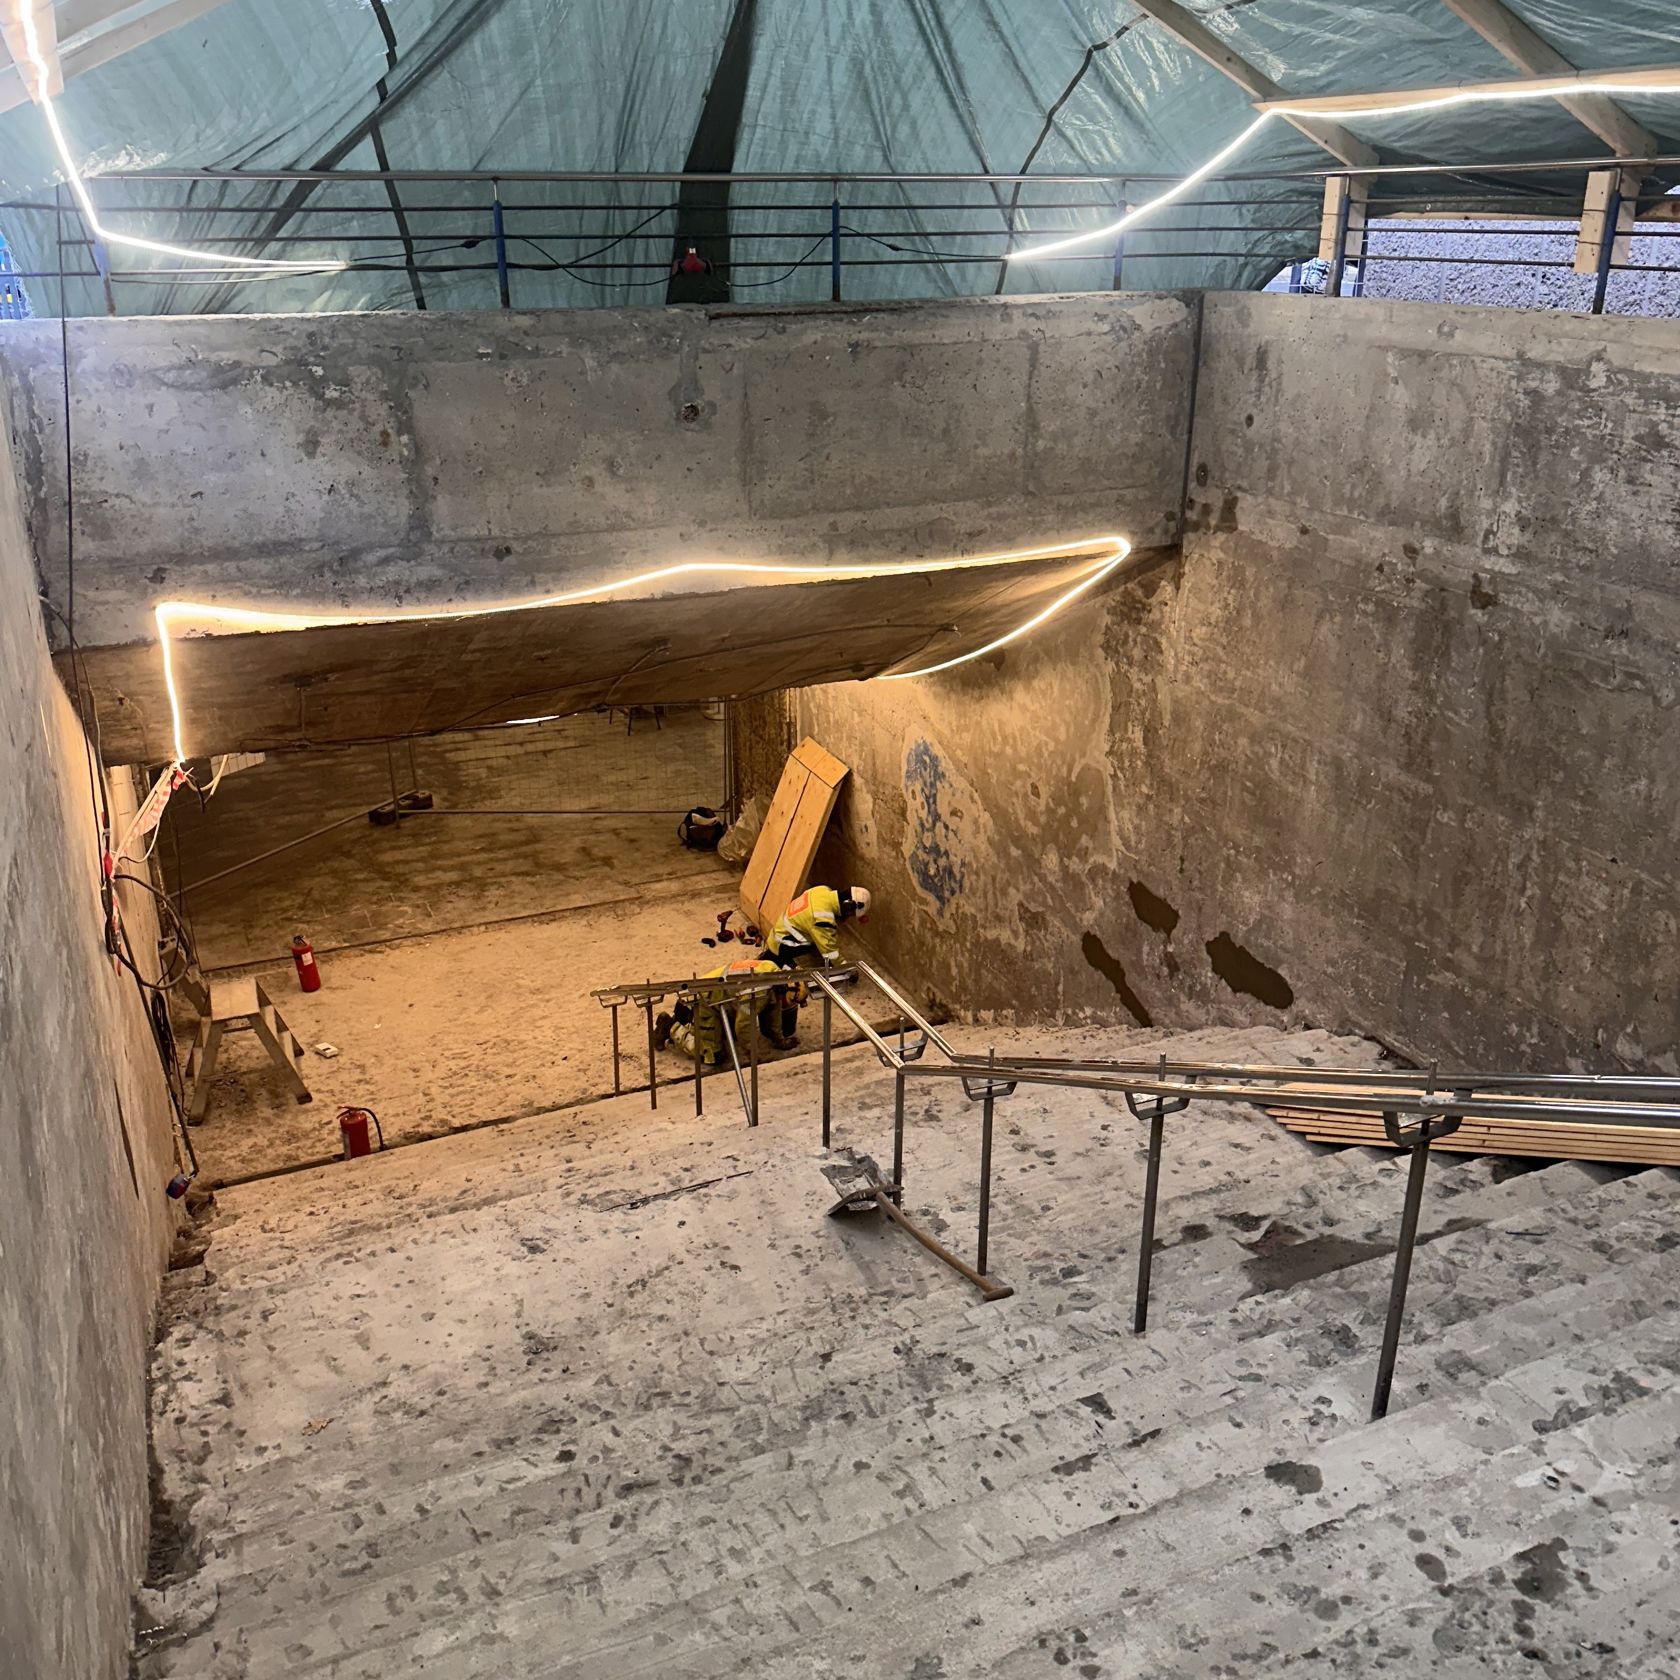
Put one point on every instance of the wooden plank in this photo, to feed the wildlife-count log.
(1191, 32)
(793, 867)
(231, 1000)
(772, 837)
(1661, 76)
(1640, 1145)
(1545, 1128)
(1511, 38)
(793, 829)
(821, 762)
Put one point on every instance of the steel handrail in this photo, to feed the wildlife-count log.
(1443, 1100)
(650, 177)
(1360, 1076)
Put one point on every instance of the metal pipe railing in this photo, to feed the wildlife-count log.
(830, 177)
(1439, 1104)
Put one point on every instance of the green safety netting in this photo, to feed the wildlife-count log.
(753, 87)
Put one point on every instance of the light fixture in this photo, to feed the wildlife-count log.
(43, 97)
(1433, 102)
(1105, 553)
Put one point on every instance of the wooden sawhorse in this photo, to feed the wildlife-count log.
(240, 1006)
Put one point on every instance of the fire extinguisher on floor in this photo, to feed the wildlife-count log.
(353, 1128)
(308, 970)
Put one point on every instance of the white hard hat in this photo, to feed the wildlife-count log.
(860, 902)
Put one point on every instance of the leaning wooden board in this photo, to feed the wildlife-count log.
(780, 866)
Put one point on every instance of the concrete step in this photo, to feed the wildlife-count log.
(789, 1379)
(774, 1503)
(334, 1200)
(1044, 1443)
(1170, 1590)
(1566, 1603)
(1507, 1511)
(1165, 1515)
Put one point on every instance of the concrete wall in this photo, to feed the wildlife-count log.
(84, 1155)
(422, 460)
(1391, 747)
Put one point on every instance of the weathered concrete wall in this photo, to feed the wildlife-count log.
(422, 460)
(1393, 747)
(84, 1156)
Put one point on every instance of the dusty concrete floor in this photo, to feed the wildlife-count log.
(604, 1394)
(481, 1024)
(432, 871)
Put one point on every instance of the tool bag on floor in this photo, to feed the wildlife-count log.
(701, 829)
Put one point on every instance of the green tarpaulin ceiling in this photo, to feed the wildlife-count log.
(894, 86)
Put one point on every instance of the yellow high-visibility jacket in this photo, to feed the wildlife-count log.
(810, 923)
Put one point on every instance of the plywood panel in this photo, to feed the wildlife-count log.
(793, 830)
(773, 836)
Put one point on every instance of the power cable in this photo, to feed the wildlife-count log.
(910, 250)
(776, 279)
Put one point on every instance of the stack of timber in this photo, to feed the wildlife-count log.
(1574, 1139)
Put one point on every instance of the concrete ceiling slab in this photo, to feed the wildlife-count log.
(337, 682)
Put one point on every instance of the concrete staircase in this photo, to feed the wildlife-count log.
(602, 1394)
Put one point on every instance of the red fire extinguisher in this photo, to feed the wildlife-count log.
(309, 972)
(353, 1126)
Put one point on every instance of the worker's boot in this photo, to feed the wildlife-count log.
(661, 1030)
(779, 1022)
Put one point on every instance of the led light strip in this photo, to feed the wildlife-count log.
(43, 81)
(1106, 552)
(1436, 102)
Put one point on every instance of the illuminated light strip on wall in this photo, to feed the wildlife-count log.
(43, 81)
(1106, 552)
(1435, 102)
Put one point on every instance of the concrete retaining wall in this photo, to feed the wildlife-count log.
(84, 1156)
(1391, 747)
(424, 460)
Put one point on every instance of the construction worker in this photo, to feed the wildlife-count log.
(695, 1026)
(808, 931)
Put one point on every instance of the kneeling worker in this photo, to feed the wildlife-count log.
(806, 933)
(695, 1026)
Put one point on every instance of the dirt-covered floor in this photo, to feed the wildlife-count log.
(475, 1025)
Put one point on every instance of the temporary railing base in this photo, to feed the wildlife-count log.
(1418, 1110)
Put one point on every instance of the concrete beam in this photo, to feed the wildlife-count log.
(253, 692)
(1189, 30)
(1509, 36)
(330, 463)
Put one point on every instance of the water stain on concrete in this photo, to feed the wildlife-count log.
(1481, 597)
(1303, 1478)
(1244, 972)
(1541, 1573)
(1151, 909)
(1110, 968)
(1284, 1256)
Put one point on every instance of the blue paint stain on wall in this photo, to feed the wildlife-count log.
(934, 864)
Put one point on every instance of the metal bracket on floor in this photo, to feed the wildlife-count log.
(1155, 1110)
(1417, 1139)
(861, 1187)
